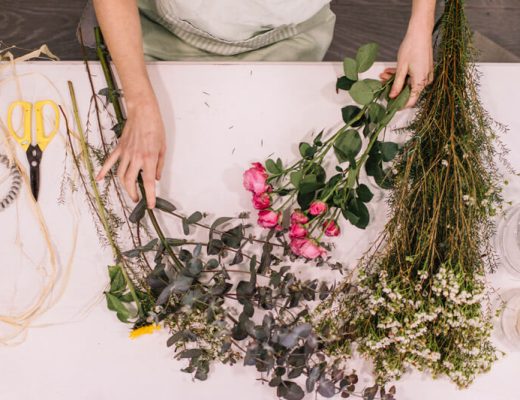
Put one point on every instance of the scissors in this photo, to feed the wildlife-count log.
(34, 152)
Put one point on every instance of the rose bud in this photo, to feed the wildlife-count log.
(317, 207)
(310, 249)
(297, 231)
(261, 201)
(297, 217)
(255, 179)
(331, 228)
(268, 218)
(296, 245)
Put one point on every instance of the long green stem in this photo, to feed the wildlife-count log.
(114, 98)
(97, 196)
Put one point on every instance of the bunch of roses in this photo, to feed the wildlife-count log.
(302, 223)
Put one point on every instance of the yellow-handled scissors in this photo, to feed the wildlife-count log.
(34, 152)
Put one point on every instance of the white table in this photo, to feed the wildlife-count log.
(218, 119)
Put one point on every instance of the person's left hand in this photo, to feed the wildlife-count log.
(415, 61)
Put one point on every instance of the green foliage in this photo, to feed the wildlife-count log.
(366, 55)
(362, 93)
(350, 68)
(421, 297)
(119, 296)
(264, 316)
(347, 145)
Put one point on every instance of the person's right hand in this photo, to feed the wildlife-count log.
(141, 147)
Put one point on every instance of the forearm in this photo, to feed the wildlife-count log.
(423, 16)
(119, 22)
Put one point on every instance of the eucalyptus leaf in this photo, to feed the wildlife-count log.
(357, 208)
(194, 218)
(374, 84)
(349, 113)
(364, 193)
(294, 391)
(326, 388)
(164, 295)
(347, 145)
(312, 378)
(164, 205)
(233, 237)
(175, 338)
(202, 370)
(272, 167)
(212, 264)
(216, 223)
(215, 246)
(185, 226)
(343, 83)
(182, 284)
(138, 212)
(194, 267)
(309, 184)
(190, 353)
(376, 112)
(385, 179)
(174, 242)
(388, 150)
(306, 150)
(303, 330)
(366, 55)
(373, 165)
(296, 178)
(361, 93)
(350, 68)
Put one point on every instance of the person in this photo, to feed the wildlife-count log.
(250, 30)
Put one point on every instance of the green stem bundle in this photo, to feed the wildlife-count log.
(422, 283)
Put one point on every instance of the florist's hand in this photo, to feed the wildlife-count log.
(414, 60)
(142, 146)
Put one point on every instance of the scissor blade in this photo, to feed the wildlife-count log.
(34, 156)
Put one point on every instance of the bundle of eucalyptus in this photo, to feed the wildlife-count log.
(421, 299)
(225, 295)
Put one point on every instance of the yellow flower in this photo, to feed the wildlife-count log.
(144, 330)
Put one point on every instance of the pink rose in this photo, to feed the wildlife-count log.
(268, 218)
(261, 201)
(255, 179)
(331, 228)
(311, 250)
(297, 217)
(296, 245)
(297, 231)
(317, 207)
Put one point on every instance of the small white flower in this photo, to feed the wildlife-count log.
(444, 163)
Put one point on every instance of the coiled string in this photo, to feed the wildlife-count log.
(15, 181)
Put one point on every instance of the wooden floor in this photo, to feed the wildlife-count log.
(30, 23)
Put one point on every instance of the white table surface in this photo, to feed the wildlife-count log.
(218, 120)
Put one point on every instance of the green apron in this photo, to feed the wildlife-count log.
(175, 39)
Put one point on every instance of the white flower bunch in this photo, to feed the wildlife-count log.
(435, 322)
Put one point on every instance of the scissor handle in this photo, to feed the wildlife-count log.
(42, 138)
(26, 138)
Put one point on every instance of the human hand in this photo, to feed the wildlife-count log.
(142, 147)
(415, 61)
